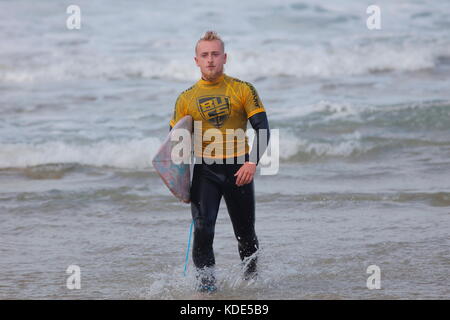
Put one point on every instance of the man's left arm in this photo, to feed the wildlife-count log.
(247, 171)
(260, 124)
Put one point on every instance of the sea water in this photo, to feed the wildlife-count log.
(364, 138)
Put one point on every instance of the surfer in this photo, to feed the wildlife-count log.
(224, 167)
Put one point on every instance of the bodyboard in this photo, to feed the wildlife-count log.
(177, 177)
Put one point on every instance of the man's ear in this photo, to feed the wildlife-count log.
(225, 58)
(196, 61)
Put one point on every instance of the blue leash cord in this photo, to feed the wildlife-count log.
(188, 248)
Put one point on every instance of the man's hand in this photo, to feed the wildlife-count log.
(245, 173)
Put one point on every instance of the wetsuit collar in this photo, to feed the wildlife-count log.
(211, 83)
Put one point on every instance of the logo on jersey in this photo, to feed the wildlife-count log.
(214, 109)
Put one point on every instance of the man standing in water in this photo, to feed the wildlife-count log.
(222, 105)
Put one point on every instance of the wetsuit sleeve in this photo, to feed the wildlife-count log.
(251, 101)
(179, 111)
(260, 123)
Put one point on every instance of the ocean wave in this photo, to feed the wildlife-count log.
(130, 154)
(294, 148)
(289, 60)
(320, 131)
(52, 160)
(433, 114)
(327, 110)
(353, 146)
(336, 60)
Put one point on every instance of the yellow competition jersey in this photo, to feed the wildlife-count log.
(224, 104)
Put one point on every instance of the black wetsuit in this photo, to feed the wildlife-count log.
(212, 181)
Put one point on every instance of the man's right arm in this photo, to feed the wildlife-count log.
(178, 112)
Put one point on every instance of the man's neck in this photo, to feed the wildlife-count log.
(212, 79)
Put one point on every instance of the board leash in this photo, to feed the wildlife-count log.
(188, 248)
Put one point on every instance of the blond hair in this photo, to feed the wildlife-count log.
(210, 36)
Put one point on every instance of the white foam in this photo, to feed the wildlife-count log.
(132, 154)
(333, 110)
(323, 61)
(287, 60)
(291, 144)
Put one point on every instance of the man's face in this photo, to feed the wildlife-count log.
(210, 58)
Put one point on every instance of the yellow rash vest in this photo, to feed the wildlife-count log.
(222, 108)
